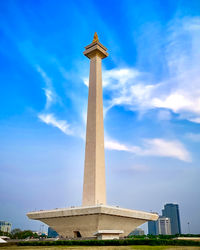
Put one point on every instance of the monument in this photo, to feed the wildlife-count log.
(94, 217)
(94, 187)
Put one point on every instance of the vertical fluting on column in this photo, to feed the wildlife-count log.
(94, 186)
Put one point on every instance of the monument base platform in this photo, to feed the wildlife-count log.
(85, 221)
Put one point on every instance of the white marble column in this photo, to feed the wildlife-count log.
(94, 186)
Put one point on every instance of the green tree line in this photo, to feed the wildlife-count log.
(21, 234)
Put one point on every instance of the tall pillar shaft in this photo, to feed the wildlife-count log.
(94, 186)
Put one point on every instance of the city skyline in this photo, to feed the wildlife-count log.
(151, 105)
(169, 222)
(172, 211)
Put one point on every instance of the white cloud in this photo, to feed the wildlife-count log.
(179, 91)
(50, 94)
(86, 81)
(176, 102)
(182, 88)
(195, 119)
(114, 78)
(118, 77)
(46, 79)
(60, 124)
(160, 147)
(49, 97)
(114, 145)
(153, 147)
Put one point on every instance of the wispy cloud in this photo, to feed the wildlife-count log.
(115, 145)
(182, 95)
(161, 147)
(51, 98)
(178, 92)
(46, 79)
(153, 147)
(119, 77)
(50, 94)
(50, 119)
(114, 78)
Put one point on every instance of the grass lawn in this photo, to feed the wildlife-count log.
(99, 248)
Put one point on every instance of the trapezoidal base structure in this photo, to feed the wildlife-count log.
(85, 221)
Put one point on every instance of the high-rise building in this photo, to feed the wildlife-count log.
(5, 226)
(163, 225)
(152, 227)
(52, 233)
(172, 211)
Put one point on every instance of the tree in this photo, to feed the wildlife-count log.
(5, 234)
(16, 230)
(19, 234)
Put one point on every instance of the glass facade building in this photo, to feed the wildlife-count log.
(172, 211)
(52, 233)
(161, 226)
(152, 227)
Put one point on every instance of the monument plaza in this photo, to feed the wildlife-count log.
(94, 217)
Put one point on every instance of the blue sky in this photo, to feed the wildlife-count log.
(151, 104)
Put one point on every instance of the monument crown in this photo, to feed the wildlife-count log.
(95, 49)
(95, 39)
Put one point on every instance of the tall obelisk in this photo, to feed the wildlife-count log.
(94, 217)
(94, 186)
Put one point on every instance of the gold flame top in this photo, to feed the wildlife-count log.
(95, 39)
